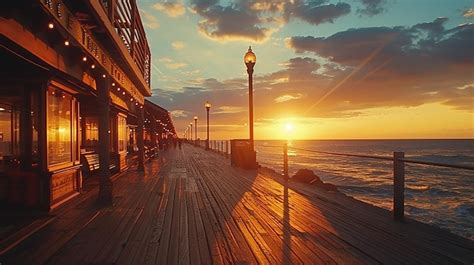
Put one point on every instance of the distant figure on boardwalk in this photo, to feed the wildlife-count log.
(179, 143)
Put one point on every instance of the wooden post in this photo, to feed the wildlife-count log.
(153, 131)
(105, 184)
(398, 186)
(285, 161)
(141, 147)
(227, 149)
(26, 131)
(207, 129)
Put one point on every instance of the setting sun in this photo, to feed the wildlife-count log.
(289, 127)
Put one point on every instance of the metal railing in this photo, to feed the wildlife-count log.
(398, 159)
(219, 146)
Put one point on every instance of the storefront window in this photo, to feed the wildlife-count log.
(59, 115)
(5, 132)
(35, 126)
(122, 133)
(16, 132)
(92, 131)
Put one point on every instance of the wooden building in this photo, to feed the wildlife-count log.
(74, 75)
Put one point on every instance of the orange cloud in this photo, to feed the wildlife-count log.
(172, 9)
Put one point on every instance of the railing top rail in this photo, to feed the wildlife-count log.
(413, 161)
(385, 158)
(271, 146)
(344, 154)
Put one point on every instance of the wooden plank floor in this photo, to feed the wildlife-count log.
(191, 207)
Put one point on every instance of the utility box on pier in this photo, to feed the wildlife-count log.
(242, 155)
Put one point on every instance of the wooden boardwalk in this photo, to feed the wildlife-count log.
(191, 207)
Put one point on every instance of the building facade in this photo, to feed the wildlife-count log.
(74, 77)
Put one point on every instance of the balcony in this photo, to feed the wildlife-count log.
(125, 18)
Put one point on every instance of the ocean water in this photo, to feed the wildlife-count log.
(436, 195)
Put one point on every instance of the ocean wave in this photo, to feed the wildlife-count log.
(442, 192)
(417, 188)
(380, 190)
(465, 210)
(456, 159)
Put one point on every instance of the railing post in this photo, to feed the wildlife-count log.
(227, 149)
(285, 161)
(398, 186)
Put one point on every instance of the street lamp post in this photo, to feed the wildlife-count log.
(250, 59)
(208, 106)
(196, 130)
(191, 130)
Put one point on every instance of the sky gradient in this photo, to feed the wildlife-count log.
(361, 69)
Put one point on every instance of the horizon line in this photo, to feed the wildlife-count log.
(345, 139)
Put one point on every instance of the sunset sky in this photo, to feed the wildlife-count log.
(332, 69)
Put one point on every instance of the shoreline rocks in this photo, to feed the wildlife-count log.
(307, 176)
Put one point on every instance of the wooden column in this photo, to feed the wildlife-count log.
(141, 148)
(105, 186)
(26, 131)
(42, 149)
(154, 131)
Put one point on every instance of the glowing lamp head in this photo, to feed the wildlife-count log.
(207, 105)
(195, 118)
(51, 25)
(191, 124)
(250, 59)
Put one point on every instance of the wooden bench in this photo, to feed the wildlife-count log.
(91, 163)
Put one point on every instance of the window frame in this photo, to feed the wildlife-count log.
(73, 123)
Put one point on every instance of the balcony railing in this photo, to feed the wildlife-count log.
(126, 19)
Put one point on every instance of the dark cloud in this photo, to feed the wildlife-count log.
(258, 19)
(371, 7)
(231, 22)
(315, 13)
(394, 66)
(423, 48)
